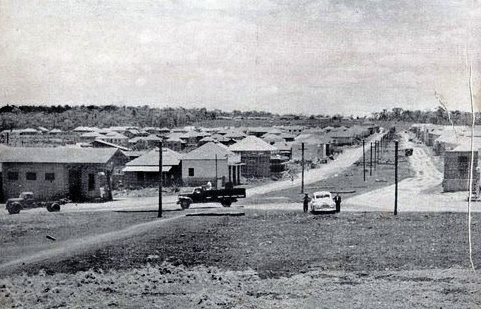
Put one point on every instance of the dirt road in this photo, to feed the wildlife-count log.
(422, 192)
(342, 162)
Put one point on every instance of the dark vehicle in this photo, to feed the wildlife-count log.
(26, 200)
(225, 196)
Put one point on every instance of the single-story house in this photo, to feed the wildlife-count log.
(211, 161)
(316, 147)
(80, 174)
(174, 142)
(144, 170)
(256, 155)
(457, 164)
(342, 136)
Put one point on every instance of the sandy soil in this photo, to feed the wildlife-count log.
(166, 286)
(268, 259)
(284, 243)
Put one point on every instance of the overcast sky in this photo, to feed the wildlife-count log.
(311, 57)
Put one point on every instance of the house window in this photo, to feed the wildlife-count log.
(31, 176)
(50, 176)
(12, 175)
(191, 172)
(91, 184)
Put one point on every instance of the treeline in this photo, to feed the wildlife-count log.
(436, 116)
(68, 117)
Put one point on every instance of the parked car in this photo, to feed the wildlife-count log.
(26, 200)
(322, 202)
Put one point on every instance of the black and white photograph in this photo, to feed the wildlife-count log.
(240, 154)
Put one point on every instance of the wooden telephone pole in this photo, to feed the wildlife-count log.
(395, 176)
(302, 175)
(364, 159)
(159, 213)
(370, 165)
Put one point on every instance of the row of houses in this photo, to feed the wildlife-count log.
(89, 173)
(178, 139)
(453, 144)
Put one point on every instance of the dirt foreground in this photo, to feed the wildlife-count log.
(166, 286)
(267, 259)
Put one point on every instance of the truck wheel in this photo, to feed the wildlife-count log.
(14, 208)
(54, 207)
(226, 203)
(184, 204)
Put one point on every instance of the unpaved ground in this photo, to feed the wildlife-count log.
(166, 286)
(25, 234)
(422, 192)
(284, 243)
(268, 259)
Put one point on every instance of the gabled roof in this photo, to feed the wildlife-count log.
(252, 143)
(151, 158)
(209, 151)
(57, 155)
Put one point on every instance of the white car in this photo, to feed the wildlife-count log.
(322, 201)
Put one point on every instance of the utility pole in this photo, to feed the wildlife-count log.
(378, 151)
(364, 159)
(395, 176)
(302, 175)
(159, 214)
(216, 172)
(370, 165)
(375, 154)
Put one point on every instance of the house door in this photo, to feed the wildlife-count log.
(75, 185)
